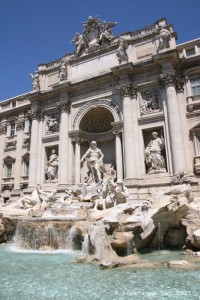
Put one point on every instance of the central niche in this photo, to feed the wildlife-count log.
(97, 120)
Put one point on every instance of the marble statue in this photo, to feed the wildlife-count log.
(163, 38)
(47, 197)
(29, 201)
(94, 158)
(63, 71)
(96, 34)
(52, 166)
(121, 50)
(52, 123)
(80, 43)
(35, 81)
(153, 157)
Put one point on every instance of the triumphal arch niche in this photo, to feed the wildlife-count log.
(100, 121)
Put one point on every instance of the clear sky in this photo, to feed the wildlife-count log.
(40, 31)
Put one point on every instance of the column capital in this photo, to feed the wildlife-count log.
(179, 85)
(128, 90)
(36, 114)
(117, 132)
(64, 105)
(20, 124)
(3, 128)
(77, 140)
(168, 79)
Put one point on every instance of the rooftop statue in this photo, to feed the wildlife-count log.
(35, 81)
(96, 34)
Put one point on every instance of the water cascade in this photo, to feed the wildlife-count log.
(40, 234)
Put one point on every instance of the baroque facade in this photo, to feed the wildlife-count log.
(137, 95)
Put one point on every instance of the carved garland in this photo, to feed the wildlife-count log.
(98, 103)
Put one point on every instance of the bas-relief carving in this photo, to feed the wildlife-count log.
(96, 34)
(153, 155)
(52, 123)
(35, 81)
(149, 102)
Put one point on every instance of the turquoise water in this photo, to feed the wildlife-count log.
(28, 276)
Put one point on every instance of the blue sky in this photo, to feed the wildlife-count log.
(40, 31)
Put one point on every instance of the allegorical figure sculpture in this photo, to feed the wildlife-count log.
(153, 157)
(94, 158)
(121, 50)
(35, 81)
(163, 38)
(52, 166)
(63, 71)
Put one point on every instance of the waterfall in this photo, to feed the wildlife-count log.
(41, 234)
(71, 237)
(85, 246)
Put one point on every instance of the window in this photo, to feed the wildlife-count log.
(195, 86)
(9, 170)
(26, 168)
(190, 52)
(12, 129)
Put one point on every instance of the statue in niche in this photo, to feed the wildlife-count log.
(121, 50)
(52, 123)
(35, 81)
(163, 38)
(63, 71)
(52, 166)
(153, 157)
(94, 158)
(150, 103)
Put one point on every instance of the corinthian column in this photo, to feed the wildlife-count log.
(36, 115)
(169, 81)
(127, 92)
(17, 172)
(63, 170)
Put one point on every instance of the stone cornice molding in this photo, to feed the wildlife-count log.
(3, 128)
(20, 124)
(128, 90)
(64, 105)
